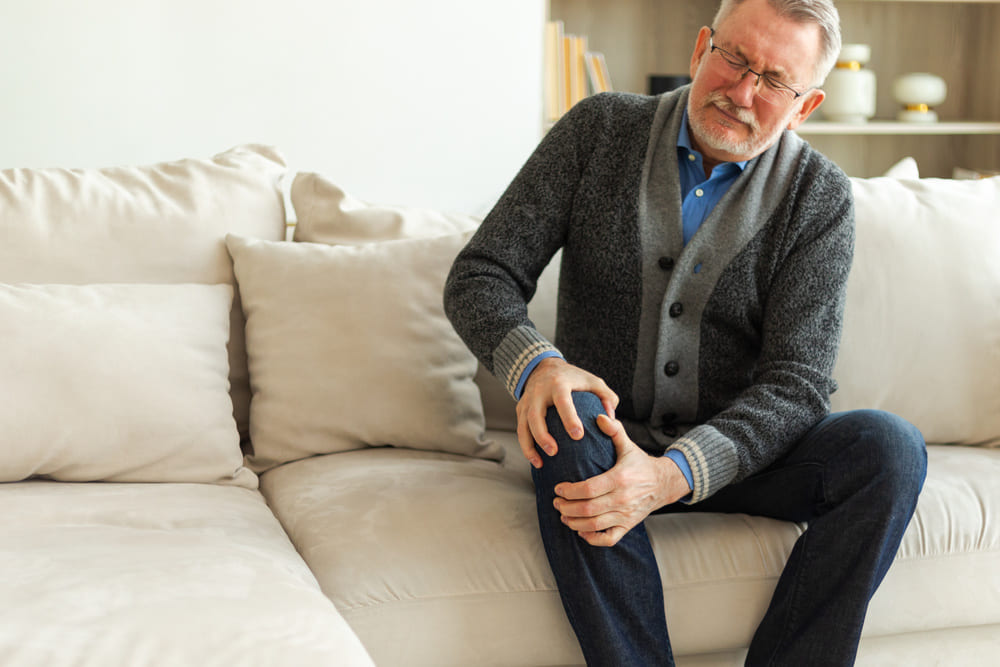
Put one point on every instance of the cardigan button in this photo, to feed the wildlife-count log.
(666, 263)
(676, 309)
(671, 368)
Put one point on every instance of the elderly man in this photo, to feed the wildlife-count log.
(705, 256)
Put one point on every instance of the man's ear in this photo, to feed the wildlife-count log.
(700, 47)
(811, 100)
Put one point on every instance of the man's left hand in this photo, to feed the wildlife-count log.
(603, 508)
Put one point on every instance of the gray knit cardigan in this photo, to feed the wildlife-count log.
(722, 349)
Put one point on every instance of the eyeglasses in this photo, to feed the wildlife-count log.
(768, 88)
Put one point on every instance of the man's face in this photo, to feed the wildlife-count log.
(729, 121)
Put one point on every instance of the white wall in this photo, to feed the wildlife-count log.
(433, 103)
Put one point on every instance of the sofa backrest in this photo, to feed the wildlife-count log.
(921, 332)
(922, 322)
(162, 223)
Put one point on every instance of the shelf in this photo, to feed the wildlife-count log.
(956, 2)
(954, 39)
(886, 127)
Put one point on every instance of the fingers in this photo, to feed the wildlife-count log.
(587, 489)
(609, 399)
(616, 431)
(604, 538)
(567, 413)
(527, 443)
(594, 524)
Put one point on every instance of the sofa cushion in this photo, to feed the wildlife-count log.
(424, 579)
(922, 321)
(162, 223)
(349, 347)
(117, 382)
(170, 575)
(325, 213)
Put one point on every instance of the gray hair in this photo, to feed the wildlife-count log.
(822, 13)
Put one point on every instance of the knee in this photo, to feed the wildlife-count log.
(576, 460)
(893, 449)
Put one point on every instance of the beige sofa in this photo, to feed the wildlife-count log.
(383, 513)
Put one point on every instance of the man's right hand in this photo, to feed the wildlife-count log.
(552, 382)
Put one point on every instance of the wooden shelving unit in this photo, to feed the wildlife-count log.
(955, 39)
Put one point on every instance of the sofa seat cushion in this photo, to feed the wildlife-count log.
(157, 575)
(436, 560)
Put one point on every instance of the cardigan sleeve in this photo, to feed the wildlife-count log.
(800, 336)
(494, 277)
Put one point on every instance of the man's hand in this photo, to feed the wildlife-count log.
(603, 508)
(552, 382)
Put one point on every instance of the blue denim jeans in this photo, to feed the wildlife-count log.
(854, 477)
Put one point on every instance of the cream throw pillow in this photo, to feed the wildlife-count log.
(123, 383)
(326, 214)
(349, 347)
(922, 320)
(158, 223)
(905, 168)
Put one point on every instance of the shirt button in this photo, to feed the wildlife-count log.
(699, 193)
(666, 263)
(676, 309)
(691, 157)
(671, 368)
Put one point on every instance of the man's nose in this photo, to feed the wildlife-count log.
(742, 92)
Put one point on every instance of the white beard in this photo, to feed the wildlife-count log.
(718, 139)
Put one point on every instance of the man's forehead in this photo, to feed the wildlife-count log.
(785, 48)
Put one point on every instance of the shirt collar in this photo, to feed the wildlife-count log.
(684, 144)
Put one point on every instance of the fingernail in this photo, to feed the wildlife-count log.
(576, 433)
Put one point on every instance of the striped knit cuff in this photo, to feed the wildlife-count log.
(712, 457)
(515, 352)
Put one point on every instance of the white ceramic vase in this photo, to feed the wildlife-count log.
(850, 88)
(917, 93)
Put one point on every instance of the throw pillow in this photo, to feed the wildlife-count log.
(349, 347)
(122, 383)
(326, 214)
(905, 168)
(158, 223)
(922, 321)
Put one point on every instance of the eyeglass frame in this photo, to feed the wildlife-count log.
(726, 55)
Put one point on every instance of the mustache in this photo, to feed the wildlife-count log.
(743, 115)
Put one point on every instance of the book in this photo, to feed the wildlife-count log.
(577, 65)
(555, 78)
(571, 71)
(597, 70)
